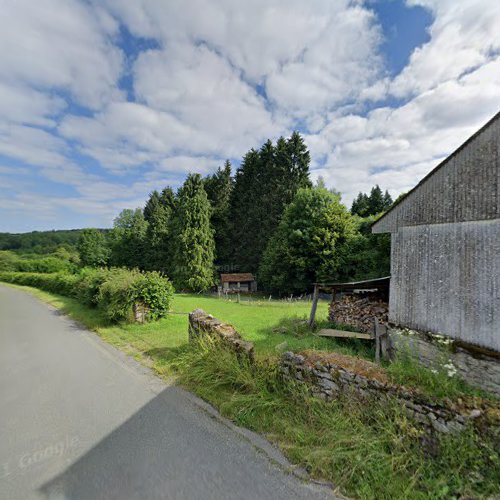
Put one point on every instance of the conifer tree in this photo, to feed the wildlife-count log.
(375, 201)
(219, 187)
(265, 184)
(360, 205)
(193, 260)
(158, 213)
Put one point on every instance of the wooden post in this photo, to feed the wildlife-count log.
(314, 305)
(331, 316)
(377, 341)
(384, 343)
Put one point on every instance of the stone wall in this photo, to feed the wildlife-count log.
(203, 325)
(331, 375)
(476, 366)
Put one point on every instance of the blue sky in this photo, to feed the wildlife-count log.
(103, 101)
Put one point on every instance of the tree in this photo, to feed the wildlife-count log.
(360, 205)
(244, 211)
(219, 187)
(158, 213)
(365, 205)
(265, 183)
(93, 248)
(366, 255)
(375, 201)
(128, 239)
(193, 262)
(387, 200)
(308, 245)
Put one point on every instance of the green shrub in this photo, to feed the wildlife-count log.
(8, 261)
(44, 265)
(60, 283)
(88, 287)
(155, 292)
(115, 297)
(114, 291)
(123, 288)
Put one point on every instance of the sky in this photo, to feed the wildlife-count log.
(102, 102)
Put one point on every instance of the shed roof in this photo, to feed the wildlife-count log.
(238, 277)
(359, 285)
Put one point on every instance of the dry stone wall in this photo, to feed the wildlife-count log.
(330, 376)
(203, 325)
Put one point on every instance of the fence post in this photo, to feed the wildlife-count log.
(312, 317)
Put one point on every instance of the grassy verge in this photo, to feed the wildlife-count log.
(369, 454)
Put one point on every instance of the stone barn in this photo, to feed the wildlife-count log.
(445, 249)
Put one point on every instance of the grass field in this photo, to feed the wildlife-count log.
(369, 452)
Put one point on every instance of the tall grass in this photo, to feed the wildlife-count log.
(370, 451)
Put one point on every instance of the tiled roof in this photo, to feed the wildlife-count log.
(237, 277)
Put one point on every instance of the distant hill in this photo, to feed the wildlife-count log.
(40, 241)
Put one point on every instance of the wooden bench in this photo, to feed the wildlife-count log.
(379, 335)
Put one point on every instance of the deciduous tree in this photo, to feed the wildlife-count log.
(308, 245)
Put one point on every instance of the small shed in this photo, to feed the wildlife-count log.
(238, 282)
(445, 246)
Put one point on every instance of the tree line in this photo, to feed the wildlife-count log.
(268, 218)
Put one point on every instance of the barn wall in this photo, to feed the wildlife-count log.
(464, 188)
(446, 279)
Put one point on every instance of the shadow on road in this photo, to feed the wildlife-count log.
(172, 448)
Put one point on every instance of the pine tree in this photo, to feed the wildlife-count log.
(219, 187)
(158, 213)
(360, 205)
(375, 201)
(387, 200)
(265, 184)
(193, 260)
(244, 211)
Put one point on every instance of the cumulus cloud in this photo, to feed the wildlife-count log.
(209, 79)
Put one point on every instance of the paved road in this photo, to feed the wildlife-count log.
(78, 419)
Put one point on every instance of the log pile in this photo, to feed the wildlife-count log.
(359, 311)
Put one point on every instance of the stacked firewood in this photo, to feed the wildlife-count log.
(359, 311)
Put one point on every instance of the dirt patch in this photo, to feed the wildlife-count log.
(358, 366)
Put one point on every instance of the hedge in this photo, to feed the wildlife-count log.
(114, 291)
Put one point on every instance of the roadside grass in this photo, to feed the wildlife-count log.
(368, 454)
(273, 326)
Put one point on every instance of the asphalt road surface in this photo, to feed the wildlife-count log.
(80, 420)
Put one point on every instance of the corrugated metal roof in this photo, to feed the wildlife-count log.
(360, 285)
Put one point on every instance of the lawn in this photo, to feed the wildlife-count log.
(254, 319)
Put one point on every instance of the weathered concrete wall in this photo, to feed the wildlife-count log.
(446, 280)
(203, 325)
(476, 368)
(466, 187)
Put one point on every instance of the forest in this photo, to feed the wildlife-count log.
(268, 218)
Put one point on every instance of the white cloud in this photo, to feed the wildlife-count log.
(221, 77)
(463, 36)
(60, 44)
